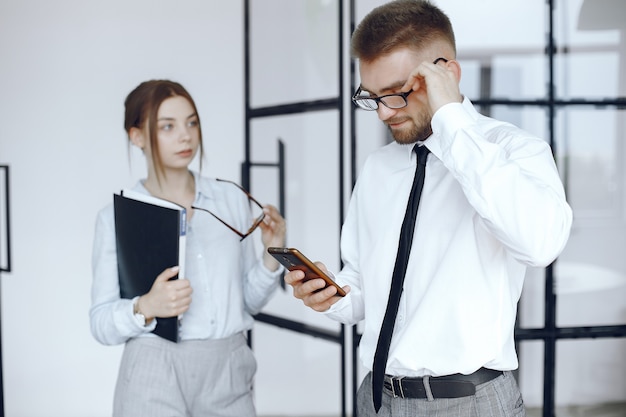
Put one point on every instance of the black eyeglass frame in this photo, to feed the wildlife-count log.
(356, 98)
(257, 221)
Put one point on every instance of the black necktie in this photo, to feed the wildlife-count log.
(397, 280)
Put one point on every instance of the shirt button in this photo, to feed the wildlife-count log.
(199, 256)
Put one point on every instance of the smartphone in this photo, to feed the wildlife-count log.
(293, 259)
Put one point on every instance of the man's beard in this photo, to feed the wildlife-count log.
(414, 133)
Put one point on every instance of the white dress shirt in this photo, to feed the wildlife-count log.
(492, 204)
(229, 281)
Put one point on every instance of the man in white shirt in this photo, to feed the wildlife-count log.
(492, 204)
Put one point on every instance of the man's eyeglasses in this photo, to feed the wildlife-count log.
(256, 222)
(365, 101)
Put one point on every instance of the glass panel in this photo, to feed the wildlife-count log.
(591, 275)
(592, 141)
(472, 85)
(513, 76)
(590, 75)
(293, 59)
(293, 365)
(510, 65)
(312, 192)
(530, 375)
(587, 34)
(589, 293)
(590, 373)
(590, 377)
(531, 308)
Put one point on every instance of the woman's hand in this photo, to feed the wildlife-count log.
(274, 229)
(166, 298)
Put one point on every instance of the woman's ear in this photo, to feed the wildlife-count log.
(137, 137)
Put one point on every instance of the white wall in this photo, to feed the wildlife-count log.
(66, 68)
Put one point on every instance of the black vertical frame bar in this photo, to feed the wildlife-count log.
(7, 232)
(4, 268)
(340, 144)
(356, 337)
(245, 174)
(549, 363)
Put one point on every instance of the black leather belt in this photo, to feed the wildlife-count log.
(449, 386)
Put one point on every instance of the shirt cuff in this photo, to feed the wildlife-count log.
(148, 328)
(338, 305)
(274, 275)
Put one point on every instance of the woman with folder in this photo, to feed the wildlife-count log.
(208, 369)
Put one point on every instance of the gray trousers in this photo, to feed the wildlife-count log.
(198, 378)
(499, 397)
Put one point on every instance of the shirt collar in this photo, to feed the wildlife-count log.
(407, 148)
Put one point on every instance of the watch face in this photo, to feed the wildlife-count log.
(141, 319)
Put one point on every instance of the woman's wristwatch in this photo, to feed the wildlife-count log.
(141, 319)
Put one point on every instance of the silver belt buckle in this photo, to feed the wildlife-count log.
(393, 387)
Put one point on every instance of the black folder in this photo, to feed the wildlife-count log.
(150, 237)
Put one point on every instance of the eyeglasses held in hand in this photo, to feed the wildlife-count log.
(365, 101)
(257, 221)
